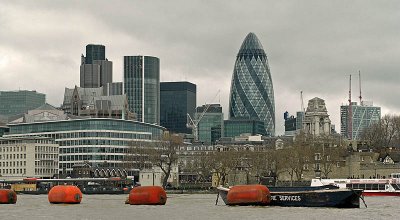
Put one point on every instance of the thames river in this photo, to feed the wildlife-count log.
(186, 206)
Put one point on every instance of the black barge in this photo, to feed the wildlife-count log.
(309, 197)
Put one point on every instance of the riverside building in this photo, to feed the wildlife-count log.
(92, 140)
(33, 156)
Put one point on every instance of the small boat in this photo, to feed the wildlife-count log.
(308, 197)
(370, 187)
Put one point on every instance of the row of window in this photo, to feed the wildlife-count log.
(102, 149)
(47, 149)
(12, 156)
(13, 171)
(73, 158)
(13, 149)
(14, 163)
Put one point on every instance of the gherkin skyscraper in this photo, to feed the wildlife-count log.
(252, 93)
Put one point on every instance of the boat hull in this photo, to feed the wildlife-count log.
(338, 198)
(366, 193)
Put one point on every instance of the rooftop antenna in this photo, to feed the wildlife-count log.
(350, 114)
(359, 81)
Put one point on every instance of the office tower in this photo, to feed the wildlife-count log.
(363, 116)
(177, 99)
(252, 94)
(95, 52)
(142, 87)
(18, 102)
(115, 88)
(293, 124)
(210, 126)
(95, 70)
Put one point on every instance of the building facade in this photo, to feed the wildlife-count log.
(252, 93)
(177, 99)
(363, 116)
(210, 125)
(95, 140)
(91, 102)
(293, 124)
(316, 118)
(95, 69)
(236, 126)
(142, 87)
(28, 157)
(18, 102)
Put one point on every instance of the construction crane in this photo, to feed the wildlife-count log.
(193, 123)
(350, 115)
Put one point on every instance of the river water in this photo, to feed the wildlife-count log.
(186, 206)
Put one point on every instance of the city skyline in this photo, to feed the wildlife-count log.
(312, 46)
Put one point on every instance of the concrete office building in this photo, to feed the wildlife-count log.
(28, 157)
(177, 99)
(142, 87)
(18, 102)
(252, 93)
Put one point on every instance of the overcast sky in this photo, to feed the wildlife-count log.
(312, 46)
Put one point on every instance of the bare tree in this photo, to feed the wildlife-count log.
(164, 155)
(383, 134)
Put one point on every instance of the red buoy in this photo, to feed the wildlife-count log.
(249, 195)
(65, 194)
(7, 196)
(147, 195)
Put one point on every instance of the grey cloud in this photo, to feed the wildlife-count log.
(311, 45)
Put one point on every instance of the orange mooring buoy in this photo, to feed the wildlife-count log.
(249, 195)
(147, 195)
(65, 194)
(7, 196)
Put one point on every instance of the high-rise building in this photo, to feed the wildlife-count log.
(363, 116)
(95, 52)
(293, 125)
(115, 88)
(18, 102)
(177, 99)
(142, 87)
(95, 70)
(211, 123)
(252, 93)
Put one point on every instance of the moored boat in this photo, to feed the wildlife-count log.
(308, 197)
(370, 187)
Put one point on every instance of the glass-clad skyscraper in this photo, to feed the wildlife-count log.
(252, 93)
(142, 87)
(177, 99)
